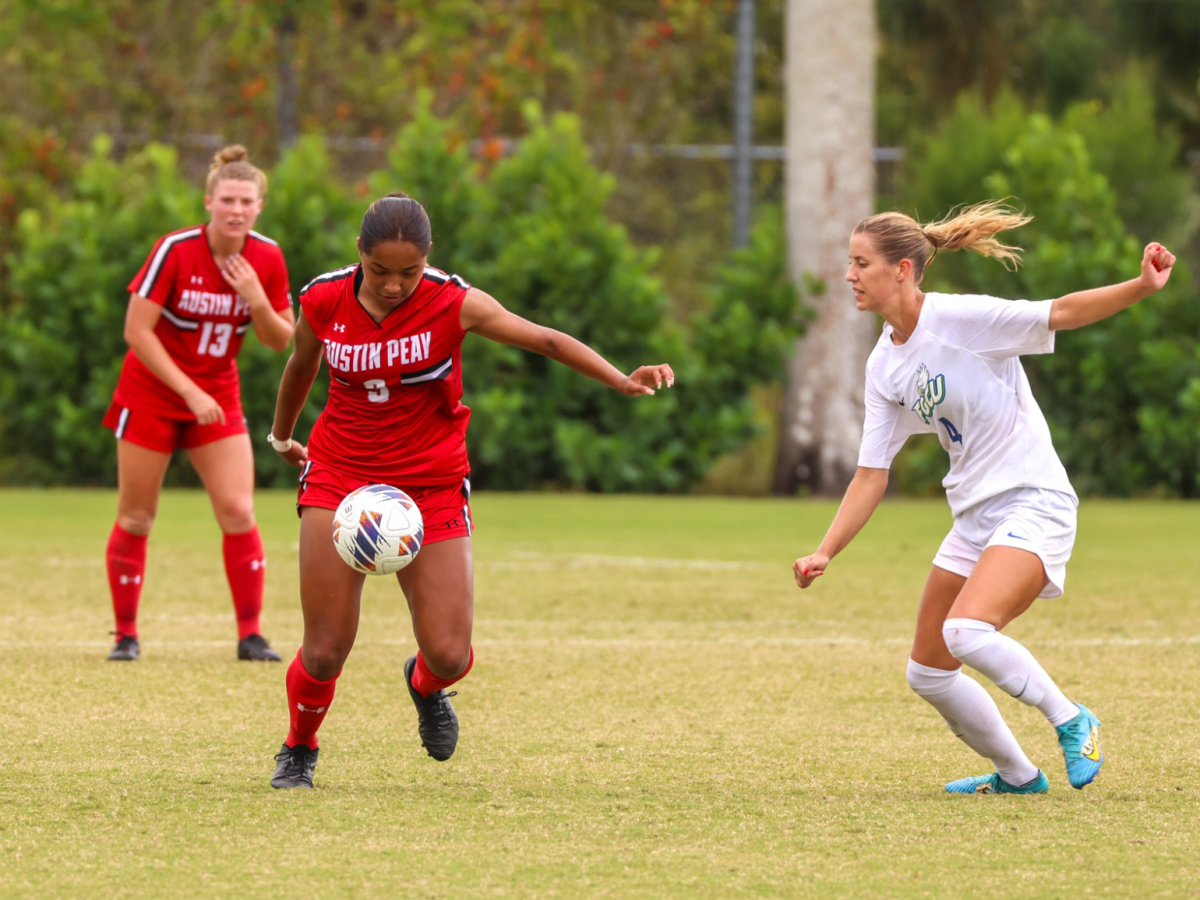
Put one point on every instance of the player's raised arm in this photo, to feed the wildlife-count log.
(1082, 308)
(482, 314)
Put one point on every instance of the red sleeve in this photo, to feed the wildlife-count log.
(156, 278)
(279, 291)
(314, 303)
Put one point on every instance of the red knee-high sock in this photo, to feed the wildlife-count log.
(426, 683)
(308, 701)
(245, 567)
(125, 559)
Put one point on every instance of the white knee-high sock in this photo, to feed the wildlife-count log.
(973, 718)
(1010, 666)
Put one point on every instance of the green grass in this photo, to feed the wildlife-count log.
(656, 711)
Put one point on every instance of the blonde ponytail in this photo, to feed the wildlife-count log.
(898, 236)
(975, 228)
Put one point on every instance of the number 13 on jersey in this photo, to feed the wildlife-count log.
(214, 338)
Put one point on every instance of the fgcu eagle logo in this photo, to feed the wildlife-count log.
(930, 392)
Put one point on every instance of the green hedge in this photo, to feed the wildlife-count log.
(531, 230)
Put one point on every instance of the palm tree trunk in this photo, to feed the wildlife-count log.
(830, 187)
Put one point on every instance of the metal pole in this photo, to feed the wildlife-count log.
(743, 124)
(288, 125)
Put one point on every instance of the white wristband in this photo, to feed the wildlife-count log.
(280, 446)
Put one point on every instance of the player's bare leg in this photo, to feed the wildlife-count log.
(226, 468)
(439, 587)
(140, 473)
(330, 596)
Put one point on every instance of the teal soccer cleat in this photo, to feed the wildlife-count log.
(994, 784)
(1080, 742)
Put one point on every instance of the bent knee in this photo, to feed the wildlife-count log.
(927, 681)
(235, 517)
(448, 660)
(325, 660)
(138, 522)
(964, 636)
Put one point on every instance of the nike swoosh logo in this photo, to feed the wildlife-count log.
(1091, 747)
(1017, 536)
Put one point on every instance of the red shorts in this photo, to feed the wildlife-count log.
(445, 508)
(164, 434)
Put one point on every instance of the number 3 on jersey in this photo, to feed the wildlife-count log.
(954, 434)
(377, 390)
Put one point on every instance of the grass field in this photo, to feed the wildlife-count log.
(655, 712)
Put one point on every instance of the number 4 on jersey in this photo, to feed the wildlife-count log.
(954, 434)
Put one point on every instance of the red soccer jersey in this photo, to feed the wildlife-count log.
(203, 321)
(395, 412)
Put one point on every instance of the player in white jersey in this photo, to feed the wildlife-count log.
(949, 364)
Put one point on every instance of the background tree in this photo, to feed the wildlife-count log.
(830, 188)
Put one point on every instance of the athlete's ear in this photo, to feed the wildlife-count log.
(903, 269)
(358, 245)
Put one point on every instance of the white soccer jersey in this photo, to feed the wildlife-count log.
(958, 375)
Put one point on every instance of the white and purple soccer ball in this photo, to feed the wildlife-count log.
(378, 529)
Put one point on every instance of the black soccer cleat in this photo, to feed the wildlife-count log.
(126, 649)
(294, 767)
(437, 723)
(255, 646)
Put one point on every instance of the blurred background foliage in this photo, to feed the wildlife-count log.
(534, 224)
(565, 152)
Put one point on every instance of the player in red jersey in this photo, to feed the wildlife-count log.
(391, 329)
(199, 292)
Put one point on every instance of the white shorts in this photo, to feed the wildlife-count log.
(1034, 519)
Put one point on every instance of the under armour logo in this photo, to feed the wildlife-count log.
(339, 327)
(130, 579)
(196, 279)
(310, 709)
(256, 564)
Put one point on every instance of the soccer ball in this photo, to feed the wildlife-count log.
(378, 529)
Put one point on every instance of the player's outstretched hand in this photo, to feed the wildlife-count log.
(295, 455)
(646, 379)
(1157, 262)
(808, 569)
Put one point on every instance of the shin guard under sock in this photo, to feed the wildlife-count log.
(1009, 665)
(973, 718)
(125, 560)
(245, 568)
(308, 702)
